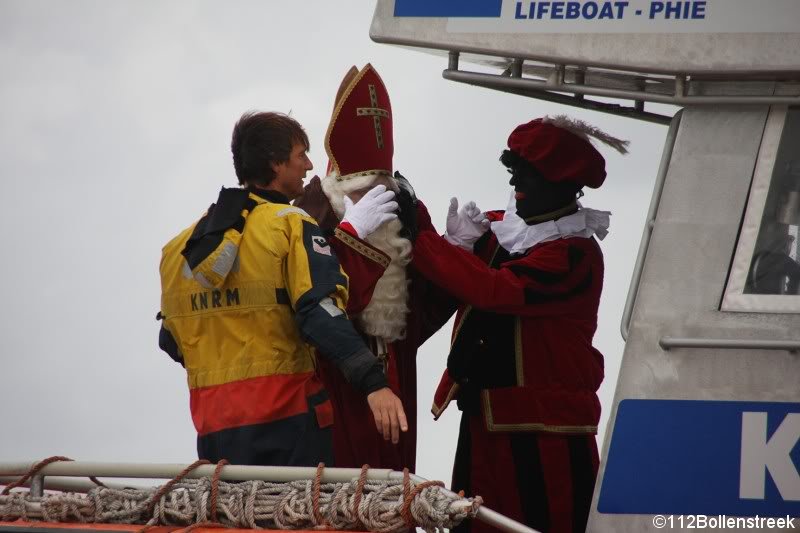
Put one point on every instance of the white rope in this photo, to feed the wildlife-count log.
(249, 505)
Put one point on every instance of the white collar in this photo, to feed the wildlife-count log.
(516, 236)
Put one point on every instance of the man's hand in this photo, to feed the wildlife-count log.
(465, 226)
(372, 210)
(390, 419)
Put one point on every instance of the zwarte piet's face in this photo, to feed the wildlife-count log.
(528, 192)
(534, 194)
(537, 196)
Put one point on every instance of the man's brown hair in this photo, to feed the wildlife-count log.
(260, 139)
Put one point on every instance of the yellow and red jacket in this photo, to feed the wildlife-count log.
(246, 292)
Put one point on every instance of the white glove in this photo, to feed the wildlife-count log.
(465, 226)
(372, 210)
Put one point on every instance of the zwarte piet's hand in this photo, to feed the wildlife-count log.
(466, 225)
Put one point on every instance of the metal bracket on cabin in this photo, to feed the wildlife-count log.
(550, 82)
(655, 200)
(667, 343)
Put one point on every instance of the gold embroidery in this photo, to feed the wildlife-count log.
(437, 410)
(337, 110)
(375, 112)
(361, 248)
(364, 173)
(467, 309)
(534, 426)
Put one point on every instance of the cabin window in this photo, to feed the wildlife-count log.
(765, 273)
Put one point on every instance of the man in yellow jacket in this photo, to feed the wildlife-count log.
(248, 290)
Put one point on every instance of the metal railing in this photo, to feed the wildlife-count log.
(560, 86)
(277, 474)
(548, 90)
(555, 87)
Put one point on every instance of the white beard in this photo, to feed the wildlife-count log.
(385, 315)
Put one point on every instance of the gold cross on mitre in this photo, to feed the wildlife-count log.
(375, 112)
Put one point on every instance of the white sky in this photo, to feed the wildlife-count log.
(115, 122)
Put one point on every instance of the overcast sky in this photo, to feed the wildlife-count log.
(115, 122)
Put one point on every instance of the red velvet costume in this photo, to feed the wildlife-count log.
(524, 372)
(360, 147)
(355, 438)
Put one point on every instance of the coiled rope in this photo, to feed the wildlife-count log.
(363, 504)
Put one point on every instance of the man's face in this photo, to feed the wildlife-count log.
(289, 175)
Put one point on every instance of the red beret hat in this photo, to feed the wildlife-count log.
(559, 154)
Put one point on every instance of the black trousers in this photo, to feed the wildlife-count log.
(294, 441)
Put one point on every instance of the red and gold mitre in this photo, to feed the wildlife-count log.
(359, 140)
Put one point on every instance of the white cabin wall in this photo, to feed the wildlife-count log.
(682, 283)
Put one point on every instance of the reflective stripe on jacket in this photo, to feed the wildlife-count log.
(234, 315)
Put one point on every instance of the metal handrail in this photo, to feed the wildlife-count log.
(579, 100)
(66, 484)
(576, 100)
(667, 343)
(278, 474)
(647, 233)
(530, 84)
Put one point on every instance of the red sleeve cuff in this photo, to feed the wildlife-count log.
(346, 227)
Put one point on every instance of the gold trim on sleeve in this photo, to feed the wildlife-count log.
(361, 248)
(437, 410)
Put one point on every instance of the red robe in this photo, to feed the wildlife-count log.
(356, 440)
(524, 372)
